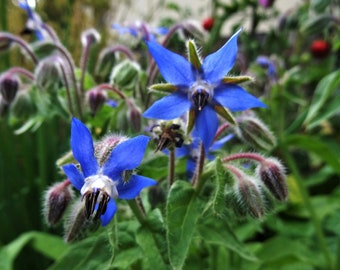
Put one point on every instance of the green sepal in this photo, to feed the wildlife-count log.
(237, 79)
(194, 58)
(164, 87)
(191, 120)
(226, 114)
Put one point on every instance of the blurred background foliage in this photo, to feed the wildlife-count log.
(304, 113)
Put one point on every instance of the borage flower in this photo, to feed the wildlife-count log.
(100, 184)
(202, 88)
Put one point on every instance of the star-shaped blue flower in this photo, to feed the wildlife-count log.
(100, 185)
(200, 88)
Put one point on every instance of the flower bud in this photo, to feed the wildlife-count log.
(246, 194)
(9, 86)
(208, 23)
(23, 105)
(104, 147)
(57, 199)
(156, 196)
(48, 74)
(78, 225)
(125, 75)
(106, 61)
(168, 134)
(252, 130)
(90, 36)
(96, 98)
(272, 174)
(266, 3)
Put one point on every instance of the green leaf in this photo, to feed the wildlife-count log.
(216, 232)
(91, 253)
(49, 245)
(315, 145)
(127, 257)
(183, 210)
(151, 254)
(323, 92)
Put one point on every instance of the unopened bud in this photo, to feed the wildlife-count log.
(168, 134)
(23, 105)
(125, 75)
(90, 36)
(252, 130)
(106, 61)
(104, 147)
(48, 74)
(57, 199)
(272, 174)
(78, 225)
(246, 195)
(193, 29)
(156, 196)
(9, 85)
(96, 98)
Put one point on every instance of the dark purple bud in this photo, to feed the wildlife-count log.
(272, 174)
(57, 199)
(266, 3)
(96, 98)
(9, 86)
(135, 117)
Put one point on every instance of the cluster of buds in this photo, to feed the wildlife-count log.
(254, 194)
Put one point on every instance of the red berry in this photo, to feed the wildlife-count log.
(320, 48)
(208, 23)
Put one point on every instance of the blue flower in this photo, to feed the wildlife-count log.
(268, 64)
(203, 89)
(191, 152)
(142, 29)
(34, 22)
(101, 184)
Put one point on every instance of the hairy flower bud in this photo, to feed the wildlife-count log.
(104, 147)
(252, 130)
(9, 86)
(23, 105)
(78, 225)
(57, 199)
(125, 75)
(48, 74)
(245, 197)
(96, 98)
(135, 116)
(272, 174)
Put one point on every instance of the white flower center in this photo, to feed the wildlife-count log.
(200, 94)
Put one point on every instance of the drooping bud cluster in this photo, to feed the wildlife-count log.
(253, 194)
(167, 134)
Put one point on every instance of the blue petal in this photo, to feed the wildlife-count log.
(82, 147)
(126, 156)
(218, 64)
(169, 107)
(183, 151)
(235, 98)
(74, 175)
(218, 144)
(130, 189)
(174, 67)
(206, 126)
(109, 213)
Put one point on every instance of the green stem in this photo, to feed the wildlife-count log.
(171, 167)
(137, 210)
(308, 204)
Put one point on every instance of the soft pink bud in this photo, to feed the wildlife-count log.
(57, 199)
(272, 174)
